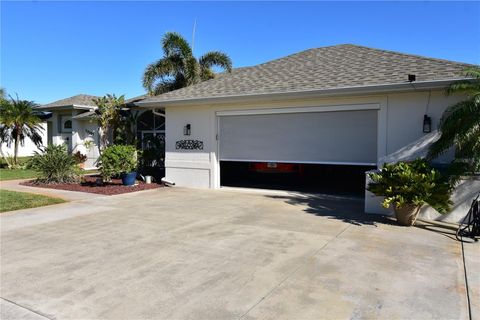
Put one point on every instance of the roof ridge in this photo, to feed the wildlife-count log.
(334, 66)
(352, 45)
(408, 54)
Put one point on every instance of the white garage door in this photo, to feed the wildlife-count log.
(340, 137)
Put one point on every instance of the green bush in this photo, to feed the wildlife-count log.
(414, 183)
(55, 165)
(117, 159)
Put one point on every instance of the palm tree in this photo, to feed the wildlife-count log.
(19, 121)
(108, 115)
(179, 68)
(460, 123)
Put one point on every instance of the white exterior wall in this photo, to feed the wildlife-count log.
(400, 136)
(86, 130)
(81, 129)
(57, 136)
(191, 168)
(29, 147)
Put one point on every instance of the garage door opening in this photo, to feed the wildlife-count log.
(316, 178)
(314, 151)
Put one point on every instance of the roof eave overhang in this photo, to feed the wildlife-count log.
(68, 107)
(359, 90)
(84, 107)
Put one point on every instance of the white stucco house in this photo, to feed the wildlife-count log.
(73, 123)
(346, 106)
(329, 113)
(28, 148)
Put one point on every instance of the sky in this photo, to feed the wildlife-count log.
(54, 50)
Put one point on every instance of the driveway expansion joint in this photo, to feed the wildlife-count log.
(38, 313)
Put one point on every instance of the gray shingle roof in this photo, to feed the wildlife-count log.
(85, 115)
(325, 68)
(79, 100)
(137, 98)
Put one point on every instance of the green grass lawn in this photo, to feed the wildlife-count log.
(12, 174)
(21, 161)
(12, 200)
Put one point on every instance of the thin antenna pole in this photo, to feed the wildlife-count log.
(193, 33)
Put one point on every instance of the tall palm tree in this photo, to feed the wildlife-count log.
(19, 121)
(179, 68)
(460, 123)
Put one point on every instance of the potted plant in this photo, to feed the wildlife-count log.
(80, 159)
(119, 160)
(408, 186)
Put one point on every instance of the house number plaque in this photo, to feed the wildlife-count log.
(189, 145)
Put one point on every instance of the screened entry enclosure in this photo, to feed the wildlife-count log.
(151, 137)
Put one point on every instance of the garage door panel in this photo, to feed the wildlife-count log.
(316, 137)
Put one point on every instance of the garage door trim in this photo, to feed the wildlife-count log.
(352, 107)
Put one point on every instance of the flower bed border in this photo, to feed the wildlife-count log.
(88, 185)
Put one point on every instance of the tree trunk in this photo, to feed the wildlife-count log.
(104, 137)
(15, 150)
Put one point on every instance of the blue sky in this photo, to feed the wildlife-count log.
(53, 50)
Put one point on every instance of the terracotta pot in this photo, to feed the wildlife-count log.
(407, 214)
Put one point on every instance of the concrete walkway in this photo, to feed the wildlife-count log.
(177, 253)
(15, 185)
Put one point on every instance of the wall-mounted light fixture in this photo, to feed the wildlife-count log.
(412, 78)
(427, 124)
(187, 130)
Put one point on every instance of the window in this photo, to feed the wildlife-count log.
(67, 125)
(64, 124)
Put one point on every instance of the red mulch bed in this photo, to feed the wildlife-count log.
(89, 184)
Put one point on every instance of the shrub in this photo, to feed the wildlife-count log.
(55, 165)
(117, 159)
(407, 183)
(79, 157)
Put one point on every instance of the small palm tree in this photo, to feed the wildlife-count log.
(179, 68)
(19, 121)
(108, 115)
(460, 123)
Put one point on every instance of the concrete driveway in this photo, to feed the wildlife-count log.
(192, 254)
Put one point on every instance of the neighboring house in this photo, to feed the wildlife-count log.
(73, 123)
(348, 106)
(28, 148)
